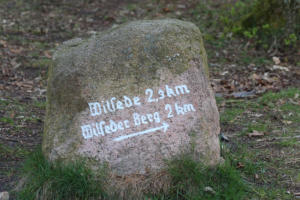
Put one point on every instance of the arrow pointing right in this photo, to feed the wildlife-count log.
(164, 126)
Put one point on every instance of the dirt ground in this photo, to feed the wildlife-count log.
(240, 76)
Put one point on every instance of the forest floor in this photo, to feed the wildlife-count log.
(258, 93)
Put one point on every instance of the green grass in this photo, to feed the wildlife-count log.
(40, 104)
(41, 63)
(283, 94)
(291, 112)
(272, 193)
(190, 178)
(260, 127)
(298, 178)
(288, 143)
(12, 152)
(4, 102)
(242, 156)
(231, 114)
(7, 120)
(284, 102)
(47, 180)
(263, 159)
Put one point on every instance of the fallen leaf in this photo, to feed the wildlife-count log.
(224, 73)
(209, 189)
(268, 78)
(47, 54)
(281, 68)
(12, 114)
(287, 122)
(276, 60)
(256, 134)
(293, 102)
(14, 63)
(178, 13)
(257, 115)
(16, 50)
(255, 77)
(181, 6)
(166, 10)
(3, 43)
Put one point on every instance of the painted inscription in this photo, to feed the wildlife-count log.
(103, 128)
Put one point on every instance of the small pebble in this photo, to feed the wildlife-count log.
(209, 189)
(4, 196)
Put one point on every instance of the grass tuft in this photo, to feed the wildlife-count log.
(46, 180)
(230, 115)
(284, 94)
(193, 180)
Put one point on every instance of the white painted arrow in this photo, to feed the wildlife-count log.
(164, 126)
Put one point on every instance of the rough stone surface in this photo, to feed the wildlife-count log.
(163, 57)
(4, 196)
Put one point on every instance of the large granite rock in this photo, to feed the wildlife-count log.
(132, 97)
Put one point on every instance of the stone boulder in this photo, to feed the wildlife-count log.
(131, 98)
